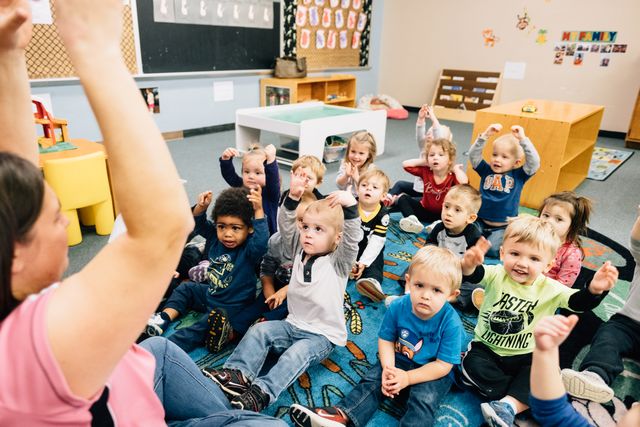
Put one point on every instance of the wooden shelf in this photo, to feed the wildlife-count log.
(564, 135)
(275, 91)
(461, 83)
(633, 136)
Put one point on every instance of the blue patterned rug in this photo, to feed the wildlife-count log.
(326, 384)
(604, 161)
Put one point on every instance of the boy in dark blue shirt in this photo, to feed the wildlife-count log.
(236, 242)
(419, 342)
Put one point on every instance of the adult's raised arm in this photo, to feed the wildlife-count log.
(95, 316)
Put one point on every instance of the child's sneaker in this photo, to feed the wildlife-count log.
(498, 414)
(325, 416)
(371, 289)
(219, 331)
(231, 381)
(391, 298)
(429, 228)
(477, 298)
(157, 324)
(253, 399)
(411, 224)
(586, 385)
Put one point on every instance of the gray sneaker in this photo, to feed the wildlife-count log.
(371, 289)
(498, 414)
(586, 385)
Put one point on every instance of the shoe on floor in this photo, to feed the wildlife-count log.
(498, 414)
(253, 399)
(371, 289)
(326, 416)
(411, 224)
(157, 324)
(477, 297)
(586, 385)
(391, 298)
(231, 381)
(219, 331)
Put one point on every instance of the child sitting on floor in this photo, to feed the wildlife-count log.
(518, 294)
(324, 255)
(374, 216)
(418, 344)
(618, 337)
(502, 180)
(237, 240)
(259, 168)
(360, 154)
(438, 172)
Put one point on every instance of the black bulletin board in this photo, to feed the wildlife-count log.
(174, 48)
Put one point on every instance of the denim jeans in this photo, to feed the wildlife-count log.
(494, 235)
(298, 350)
(189, 398)
(422, 399)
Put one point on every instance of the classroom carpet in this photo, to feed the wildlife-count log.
(327, 383)
(604, 161)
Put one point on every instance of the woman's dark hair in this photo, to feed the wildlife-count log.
(21, 198)
(233, 202)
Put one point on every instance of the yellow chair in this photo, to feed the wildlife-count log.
(81, 183)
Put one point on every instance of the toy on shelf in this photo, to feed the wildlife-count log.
(55, 130)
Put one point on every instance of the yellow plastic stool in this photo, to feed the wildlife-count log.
(82, 183)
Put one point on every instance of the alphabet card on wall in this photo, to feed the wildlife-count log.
(234, 13)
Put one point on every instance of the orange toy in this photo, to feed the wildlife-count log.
(49, 127)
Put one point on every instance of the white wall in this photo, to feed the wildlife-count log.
(420, 37)
(187, 103)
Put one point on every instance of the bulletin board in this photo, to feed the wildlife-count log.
(329, 33)
(47, 57)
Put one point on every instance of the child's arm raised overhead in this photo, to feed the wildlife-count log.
(588, 298)
(154, 206)
(272, 175)
(347, 251)
(475, 152)
(287, 223)
(461, 176)
(421, 126)
(227, 170)
(531, 156)
(412, 163)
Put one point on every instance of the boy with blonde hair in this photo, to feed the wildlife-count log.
(374, 216)
(418, 344)
(323, 256)
(517, 296)
(502, 179)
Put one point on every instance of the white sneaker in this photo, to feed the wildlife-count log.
(411, 224)
(156, 325)
(586, 385)
(429, 228)
(371, 289)
(391, 298)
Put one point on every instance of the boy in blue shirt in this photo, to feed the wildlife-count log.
(419, 342)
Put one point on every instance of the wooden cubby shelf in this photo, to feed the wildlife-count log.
(337, 89)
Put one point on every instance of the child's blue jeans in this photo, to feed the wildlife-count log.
(422, 399)
(189, 398)
(298, 350)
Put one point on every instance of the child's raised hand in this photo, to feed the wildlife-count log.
(229, 153)
(457, 168)
(493, 129)
(204, 199)
(423, 113)
(474, 256)
(298, 182)
(15, 24)
(342, 198)
(255, 197)
(518, 132)
(270, 151)
(604, 279)
(551, 331)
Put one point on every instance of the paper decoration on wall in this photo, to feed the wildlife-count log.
(305, 38)
(589, 36)
(339, 18)
(301, 16)
(320, 39)
(489, 37)
(357, 4)
(326, 17)
(595, 48)
(319, 2)
(250, 13)
(578, 58)
(362, 20)
(559, 57)
(331, 39)
(604, 60)
(351, 20)
(584, 42)
(523, 21)
(343, 39)
(606, 48)
(334, 3)
(619, 48)
(542, 36)
(571, 49)
(314, 18)
(152, 98)
(345, 4)
(41, 12)
(307, 1)
(355, 40)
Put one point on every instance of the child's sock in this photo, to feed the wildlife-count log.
(510, 403)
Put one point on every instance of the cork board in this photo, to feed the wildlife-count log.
(47, 57)
(329, 33)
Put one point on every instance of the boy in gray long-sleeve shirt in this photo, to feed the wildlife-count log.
(618, 337)
(502, 180)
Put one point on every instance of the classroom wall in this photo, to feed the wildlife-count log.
(187, 103)
(421, 37)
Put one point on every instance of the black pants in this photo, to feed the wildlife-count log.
(618, 337)
(405, 187)
(410, 206)
(494, 376)
(375, 270)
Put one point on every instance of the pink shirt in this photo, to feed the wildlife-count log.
(566, 265)
(34, 392)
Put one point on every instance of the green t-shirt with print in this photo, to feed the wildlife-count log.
(510, 310)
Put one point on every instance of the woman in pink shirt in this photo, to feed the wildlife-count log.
(66, 350)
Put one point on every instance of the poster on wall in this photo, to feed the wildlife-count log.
(234, 13)
(582, 44)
